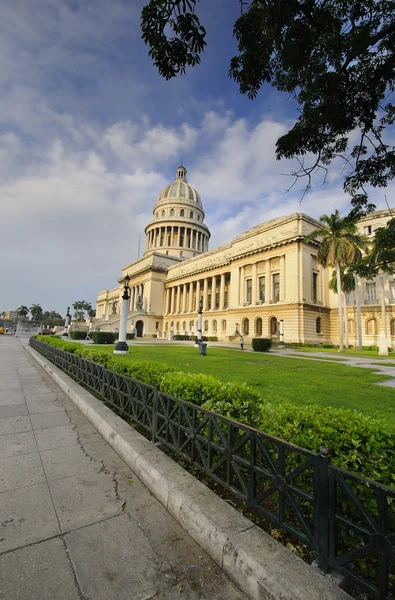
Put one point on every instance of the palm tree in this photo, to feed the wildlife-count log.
(36, 312)
(348, 285)
(23, 311)
(340, 243)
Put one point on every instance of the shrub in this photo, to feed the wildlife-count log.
(147, 371)
(357, 442)
(130, 336)
(179, 336)
(261, 344)
(97, 356)
(154, 335)
(78, 335)
(212, 338)
(232, 400)
(104, 337)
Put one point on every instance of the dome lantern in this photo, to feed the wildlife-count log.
(181, 173)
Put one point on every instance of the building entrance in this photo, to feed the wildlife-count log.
(140, 328)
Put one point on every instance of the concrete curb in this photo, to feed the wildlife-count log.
(258, 564)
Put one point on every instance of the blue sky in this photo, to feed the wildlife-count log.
(89, 135)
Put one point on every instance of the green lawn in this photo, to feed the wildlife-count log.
(357, 353)
(280, 378)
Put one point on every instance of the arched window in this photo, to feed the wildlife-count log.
(181, 253)
(157, 215)
(223, 325)
(163, 213)
(166, 327)
(172, 325)
(273, 326)
(371, 327)
(214, 326)
(184, 325)
(318, 325)
(182, 212)
(351, 326)
(178, 326)
(172, 212)
(392, 326)
(258, 326)
(206, 326)
(167, 252)
(191, 324)
(191, 214)
(246, 326)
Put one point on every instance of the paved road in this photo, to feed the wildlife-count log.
(75, 522)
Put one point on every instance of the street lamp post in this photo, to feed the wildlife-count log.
(121, 346)
(67, 323)
(200, 322)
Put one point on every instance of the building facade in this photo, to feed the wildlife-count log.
(265, 282)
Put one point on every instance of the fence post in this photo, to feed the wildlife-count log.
(321, 494)
(154, 419)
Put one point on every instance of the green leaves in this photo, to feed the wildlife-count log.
(162, 18)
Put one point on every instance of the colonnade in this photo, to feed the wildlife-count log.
(185, 298)
(135, 291)
(174, 235)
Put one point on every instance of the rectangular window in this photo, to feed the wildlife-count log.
(370, 293)
(157, 325)
(315, 287)
(226, 299)
(350, 298)
(367, 230)
(249, 291)
(276, 287)
(216, 299)
(262, 289)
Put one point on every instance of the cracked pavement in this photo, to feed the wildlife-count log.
(75, 522)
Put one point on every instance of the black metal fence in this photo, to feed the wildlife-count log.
(348, 520)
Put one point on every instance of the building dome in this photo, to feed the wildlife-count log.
(179, 189)
(178, 227)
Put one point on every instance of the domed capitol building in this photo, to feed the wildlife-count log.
(264, 281)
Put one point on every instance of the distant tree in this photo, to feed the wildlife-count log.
(52, 318)
(80, 308)
(334, 57)
(36, 311)
(340, 243)
(23, 311)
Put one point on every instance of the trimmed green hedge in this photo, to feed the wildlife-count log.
(261, 344)
(130, 336)
(357, 442)
(78, 335)
(104, 337)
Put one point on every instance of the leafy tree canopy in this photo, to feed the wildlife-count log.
(335, 57)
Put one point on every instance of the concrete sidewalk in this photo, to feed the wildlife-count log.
(75, 522)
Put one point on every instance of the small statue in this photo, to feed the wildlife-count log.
(139, 302)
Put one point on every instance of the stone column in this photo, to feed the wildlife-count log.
(197, 295)
(178, 301)
(254, 285)
(282, 278)
(167, 301)
(268, 283)
(222, 292)
(172, 235)
(205, 294)
(184, 298)
(190, 297)
(213, 288)
(172, 300)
